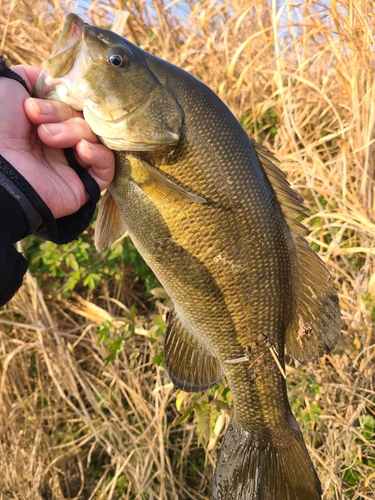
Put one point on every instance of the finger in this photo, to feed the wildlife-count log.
(100, 159)
(29, 74)
(40, 111)
(66, 134)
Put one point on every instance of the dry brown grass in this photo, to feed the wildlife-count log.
(72, 428)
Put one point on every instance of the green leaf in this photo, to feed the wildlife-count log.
(158, 359)
(352, 477)
(184, 416)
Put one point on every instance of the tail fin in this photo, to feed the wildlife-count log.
(251, 467)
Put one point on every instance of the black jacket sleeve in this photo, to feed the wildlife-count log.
(13, 226)
(23, 213)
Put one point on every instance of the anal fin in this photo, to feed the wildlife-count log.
(189, 364)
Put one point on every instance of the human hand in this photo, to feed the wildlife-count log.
(33, 133)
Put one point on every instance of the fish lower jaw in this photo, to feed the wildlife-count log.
(57, 92)
(61, 93)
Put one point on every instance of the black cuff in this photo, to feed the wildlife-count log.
(9, 73)
(18, 192)
(89, 182)
(13, 222)
(41, 222)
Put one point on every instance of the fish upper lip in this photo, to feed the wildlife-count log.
(75, 34)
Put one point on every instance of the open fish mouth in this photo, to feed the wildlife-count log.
(66, 65)
(71, 34)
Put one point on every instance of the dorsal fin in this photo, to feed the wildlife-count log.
(315, 326)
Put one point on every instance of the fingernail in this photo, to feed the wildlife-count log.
(89, 145)
(44, 107)
(53, 128)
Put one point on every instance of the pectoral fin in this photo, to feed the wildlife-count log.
(189, 364)
(156, 185)
(110, 226)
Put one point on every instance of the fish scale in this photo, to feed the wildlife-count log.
(202, 290)
(215, 219)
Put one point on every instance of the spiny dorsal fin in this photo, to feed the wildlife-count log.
(315, 326)
(190, 366)
(110, 226)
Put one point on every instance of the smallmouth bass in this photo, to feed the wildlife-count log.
(216, 221)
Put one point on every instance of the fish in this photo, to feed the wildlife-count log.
(216, 220)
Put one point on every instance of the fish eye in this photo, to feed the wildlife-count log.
(118, 58)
